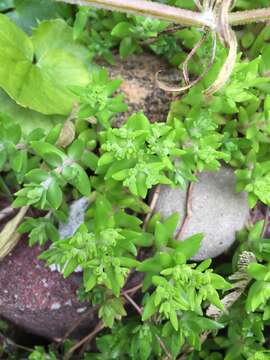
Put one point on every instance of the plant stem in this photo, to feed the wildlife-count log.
(188, 211)
(153, 204)
(149, 8)
(266, 218)
(173, 14)
(249, 17)
(133, 303)
(100, 326)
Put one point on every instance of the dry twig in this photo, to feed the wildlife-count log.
(6, 212)
(153, 204)
(100, 326)
(188, 211)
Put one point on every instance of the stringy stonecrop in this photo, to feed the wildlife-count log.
(116, 168)
(124, 164)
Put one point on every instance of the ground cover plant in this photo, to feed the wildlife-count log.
(60, 141)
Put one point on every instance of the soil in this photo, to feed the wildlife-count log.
(138, 73)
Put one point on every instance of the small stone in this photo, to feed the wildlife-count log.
(217, 211)
(56, 306)
(75, 218)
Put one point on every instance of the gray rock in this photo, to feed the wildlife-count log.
(75, 218)
(217, 211)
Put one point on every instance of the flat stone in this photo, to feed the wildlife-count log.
(217, 211)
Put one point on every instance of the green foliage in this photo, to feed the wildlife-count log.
(40, 354)
(96, 101)
(168, 310)
(104, 256)
(233, 127)
(40, 230)
(139, 154)
(47, 61)
(135, 30)
(27, 13)
(126, 32)
(28, 119)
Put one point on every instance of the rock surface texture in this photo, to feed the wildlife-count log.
(217, 211)
(37, 299)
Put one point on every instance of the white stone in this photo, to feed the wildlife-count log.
(56, 306)
(75, 218)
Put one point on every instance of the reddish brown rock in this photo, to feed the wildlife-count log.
(37, 299)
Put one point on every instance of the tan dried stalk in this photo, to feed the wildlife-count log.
(214, 15)
(173, 14)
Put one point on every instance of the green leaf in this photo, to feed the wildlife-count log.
(28, 119)
(219, 282)
(53, 159)
(171, 223)
(190, 246)
(138, 121)
(204, 265)
(56, 34)
(80, 22)
(6, 4)
(258, 271)
(161, 235)
(28, 13)
(141, 185)
(256, 232)
(19, 161)
(81, 182)
(43, 149)
(54, 195)
(208, 324)
(70, 267)
(43, 73)
(258, 293)
(124, 220)
(121, 30)
(150, 265)
(89, 279)
(149, 308)
(105, 159)
(173, 319)
(75, 150)
(37, 176)
(103, 214)
(127, 47)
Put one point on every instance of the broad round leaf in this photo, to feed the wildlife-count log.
(28, 13)
(35, 75)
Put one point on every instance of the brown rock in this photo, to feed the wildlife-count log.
(37, 299)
